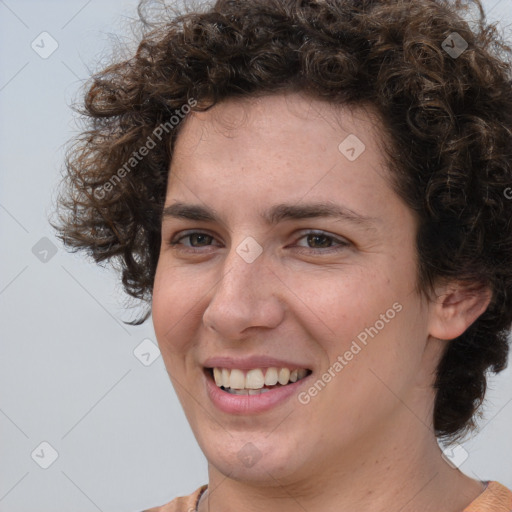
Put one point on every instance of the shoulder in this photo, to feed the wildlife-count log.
(182, 503)
(495, 498)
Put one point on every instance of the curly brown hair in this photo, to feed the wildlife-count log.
(441, 85)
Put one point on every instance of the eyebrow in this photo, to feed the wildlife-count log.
(276, 214)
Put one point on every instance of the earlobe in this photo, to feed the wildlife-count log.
(455, 307)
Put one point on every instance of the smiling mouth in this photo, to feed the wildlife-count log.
(255, 381)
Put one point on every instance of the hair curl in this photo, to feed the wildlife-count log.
(449, 119)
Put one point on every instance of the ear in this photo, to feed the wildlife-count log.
(455, 307)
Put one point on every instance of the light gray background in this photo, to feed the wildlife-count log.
(68, 373)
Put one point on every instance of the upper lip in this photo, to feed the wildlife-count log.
(251, 362)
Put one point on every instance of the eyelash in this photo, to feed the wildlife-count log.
(342, 244)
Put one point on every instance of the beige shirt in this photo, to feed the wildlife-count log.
(495, 498)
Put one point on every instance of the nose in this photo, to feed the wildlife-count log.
(247, 295)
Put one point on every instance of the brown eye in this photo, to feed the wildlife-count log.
(319, 242)
(201, 239)
(192, 240)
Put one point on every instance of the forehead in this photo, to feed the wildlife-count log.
(263, 150)
(295, 114)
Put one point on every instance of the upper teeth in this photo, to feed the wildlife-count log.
(256, 378)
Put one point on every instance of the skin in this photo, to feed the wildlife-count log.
(365, 441)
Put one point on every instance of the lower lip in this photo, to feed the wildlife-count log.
(250, 404)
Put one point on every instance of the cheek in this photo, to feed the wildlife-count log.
(173, 302)
(337, 306)
(373, 355)
(369, 319)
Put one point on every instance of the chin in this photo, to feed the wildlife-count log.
(257, 458)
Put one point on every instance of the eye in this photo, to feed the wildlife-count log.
(318, 241)
(196, 240)
(201, 239)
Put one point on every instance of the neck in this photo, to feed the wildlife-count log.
(406, 472)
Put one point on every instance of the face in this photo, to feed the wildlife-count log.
(284, 246)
